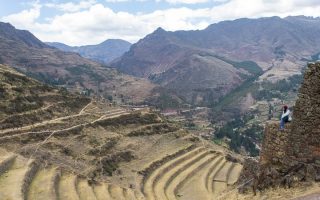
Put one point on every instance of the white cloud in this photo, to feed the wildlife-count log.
(186, 1)
(264, 8)
(26, 17)
(114, 1)
(70, 6)
(192, 1)
(96, 22)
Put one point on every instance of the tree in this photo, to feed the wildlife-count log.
(110, 97)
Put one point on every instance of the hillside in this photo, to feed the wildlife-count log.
(211, 62)
(196, 75)
(104, 52)
(29, 55)
(73, 147)
(25, 101)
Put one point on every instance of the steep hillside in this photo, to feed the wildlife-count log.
(275, 43)
(25, 101)
(196, 59)
(103, 52)
(72, 147)
(197, 75)
(23, 51)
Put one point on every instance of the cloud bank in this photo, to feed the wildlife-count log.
(90, 22)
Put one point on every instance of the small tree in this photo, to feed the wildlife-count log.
(110, 97)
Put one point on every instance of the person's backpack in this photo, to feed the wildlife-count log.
(290, 117)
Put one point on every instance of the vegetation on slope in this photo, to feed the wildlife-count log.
(241, 136)
(25, 101)
(238, 129)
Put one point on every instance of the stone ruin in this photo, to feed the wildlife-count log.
(292, 156)
(304, 138)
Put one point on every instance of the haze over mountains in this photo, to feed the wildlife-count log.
(22, 50)
(103, 52)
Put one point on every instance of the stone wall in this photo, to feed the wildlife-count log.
(274, 144)
(294, 154)
(304, 140)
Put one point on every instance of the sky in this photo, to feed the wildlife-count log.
(86, 22)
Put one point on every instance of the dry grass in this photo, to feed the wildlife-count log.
(274, 193)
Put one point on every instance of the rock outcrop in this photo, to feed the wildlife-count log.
(293, 155)
(304, 140)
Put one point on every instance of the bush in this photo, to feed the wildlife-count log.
(123, 120)
(240, 135)
(154, 129)
(108, 164)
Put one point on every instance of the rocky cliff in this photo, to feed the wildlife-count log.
(293, 155)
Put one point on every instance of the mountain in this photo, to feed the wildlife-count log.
(103, 52)
(8, 32)
(222, 56)
(197, 75)
(23, 51)
(60, 46)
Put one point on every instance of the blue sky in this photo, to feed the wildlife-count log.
(132, 6)
(93, 21)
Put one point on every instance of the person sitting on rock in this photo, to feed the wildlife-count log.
(285, 117)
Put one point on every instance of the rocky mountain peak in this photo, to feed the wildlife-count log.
(103, 53)
(7, 31)
(159, 30)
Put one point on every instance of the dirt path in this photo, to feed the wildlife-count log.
(315, 196)
(82, 110)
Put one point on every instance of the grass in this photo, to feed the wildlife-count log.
(250, 66)
(236, 94)
(217, 141)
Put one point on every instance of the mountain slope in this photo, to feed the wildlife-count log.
(25, 52)
(103, 52)
(262, 40)
(199, 76)
(25, 101)
(186, 59)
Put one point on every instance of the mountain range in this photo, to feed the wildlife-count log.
(204, 65)
(195, 67)
(103, 52)
(23, 51)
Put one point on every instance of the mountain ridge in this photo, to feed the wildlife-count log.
(23, 51)
(9, 31)
(103, 52)
(277, 45)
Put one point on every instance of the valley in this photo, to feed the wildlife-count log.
(178, 115)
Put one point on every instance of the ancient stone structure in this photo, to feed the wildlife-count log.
(274, 144)
(294, 154)
(304, 139)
